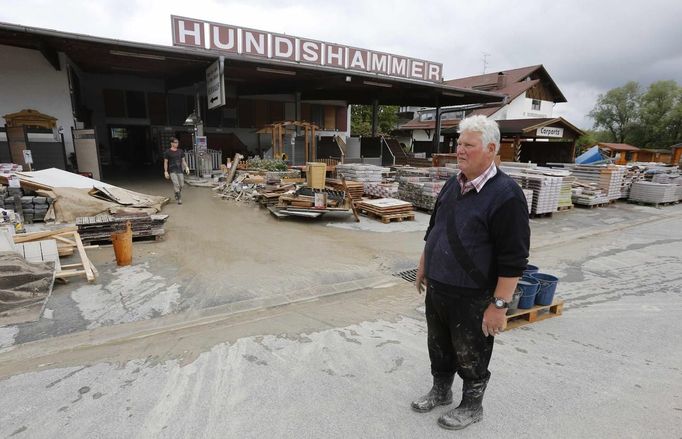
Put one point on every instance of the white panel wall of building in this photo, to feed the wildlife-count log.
(522, 108)
(28, 81)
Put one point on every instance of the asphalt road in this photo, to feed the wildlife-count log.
(347, 365)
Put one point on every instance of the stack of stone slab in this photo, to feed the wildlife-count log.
(546, 188)
(632, 174)
(381, 190)
(529, 198)
(9, 168)
(421, 186)
(99, 228)
(361, 172)
(654, 193)
(566, 194)
(34, 208)
(608, 178)
(589, 195)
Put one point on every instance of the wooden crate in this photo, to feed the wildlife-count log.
(316, 174)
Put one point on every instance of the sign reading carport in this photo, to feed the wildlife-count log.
(550, 132)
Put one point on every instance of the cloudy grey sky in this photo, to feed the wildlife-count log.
(588, 47)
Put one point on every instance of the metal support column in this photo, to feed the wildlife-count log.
(375, 117)
(436, 132)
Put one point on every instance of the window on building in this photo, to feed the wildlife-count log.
(119, 133)
(536, 105)
(427, 116)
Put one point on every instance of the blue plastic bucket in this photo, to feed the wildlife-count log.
(547, 288)
(514, 304)
(529, 288)
(530, 269)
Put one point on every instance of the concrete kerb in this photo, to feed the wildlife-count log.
(574, 236)
(144, 329)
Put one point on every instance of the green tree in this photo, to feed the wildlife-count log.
(618, 111)
(660, 115)
(589, 139)
(361, 119)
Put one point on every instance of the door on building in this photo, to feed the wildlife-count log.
(131, 147)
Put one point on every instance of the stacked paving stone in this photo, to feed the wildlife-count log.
(654, 193)
(529, 198)
(421, 186)
(546, 188)
(608, 178)
(99, 228)
(632, 174)
(589, 196)
(381, 190)
(9, 168)
(361, 172)
(34, 208)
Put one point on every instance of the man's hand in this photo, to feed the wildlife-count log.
(422, 283)
(167, 175)
(494, 320)
(187, 171)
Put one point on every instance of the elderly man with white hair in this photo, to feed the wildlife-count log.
(476, 249)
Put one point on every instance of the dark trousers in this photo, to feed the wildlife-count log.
(455, 339)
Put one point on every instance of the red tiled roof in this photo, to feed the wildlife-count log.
(618, 146)
(513, 77)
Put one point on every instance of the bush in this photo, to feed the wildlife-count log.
(266, 165)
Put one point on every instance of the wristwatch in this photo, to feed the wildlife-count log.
(499, 303)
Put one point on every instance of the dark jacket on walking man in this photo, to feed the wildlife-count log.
(476, 248)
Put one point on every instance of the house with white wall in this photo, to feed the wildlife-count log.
(531, 94)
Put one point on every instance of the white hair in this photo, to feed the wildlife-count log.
(490, 131)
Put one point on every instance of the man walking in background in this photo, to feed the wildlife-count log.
(173, 165)
(476, 249)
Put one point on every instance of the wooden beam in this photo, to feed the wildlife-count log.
(50, 55)
(84, 258)
(36, 236)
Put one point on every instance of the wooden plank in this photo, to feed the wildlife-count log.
(352, 205)
(36, 236)
(84, 258)
(70, 273)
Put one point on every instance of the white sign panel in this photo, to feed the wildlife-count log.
(202, 144)
(28, 157)
(550, 132)
(229, 40)
(215, 86)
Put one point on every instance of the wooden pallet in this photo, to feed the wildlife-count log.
(564, 208)
(541, 215)
(591, 206)
(387, 218)
(644, 203)
(522, 317)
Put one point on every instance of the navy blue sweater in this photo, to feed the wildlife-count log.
(493, 228)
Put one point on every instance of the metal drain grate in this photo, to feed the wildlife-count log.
(408, 275)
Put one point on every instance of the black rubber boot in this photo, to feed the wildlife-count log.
(177, 198)
(469, 411)
(440, 394)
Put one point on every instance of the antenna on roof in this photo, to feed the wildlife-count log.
(485, 61)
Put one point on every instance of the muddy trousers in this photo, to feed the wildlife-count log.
(178, 180)
(455, 340)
